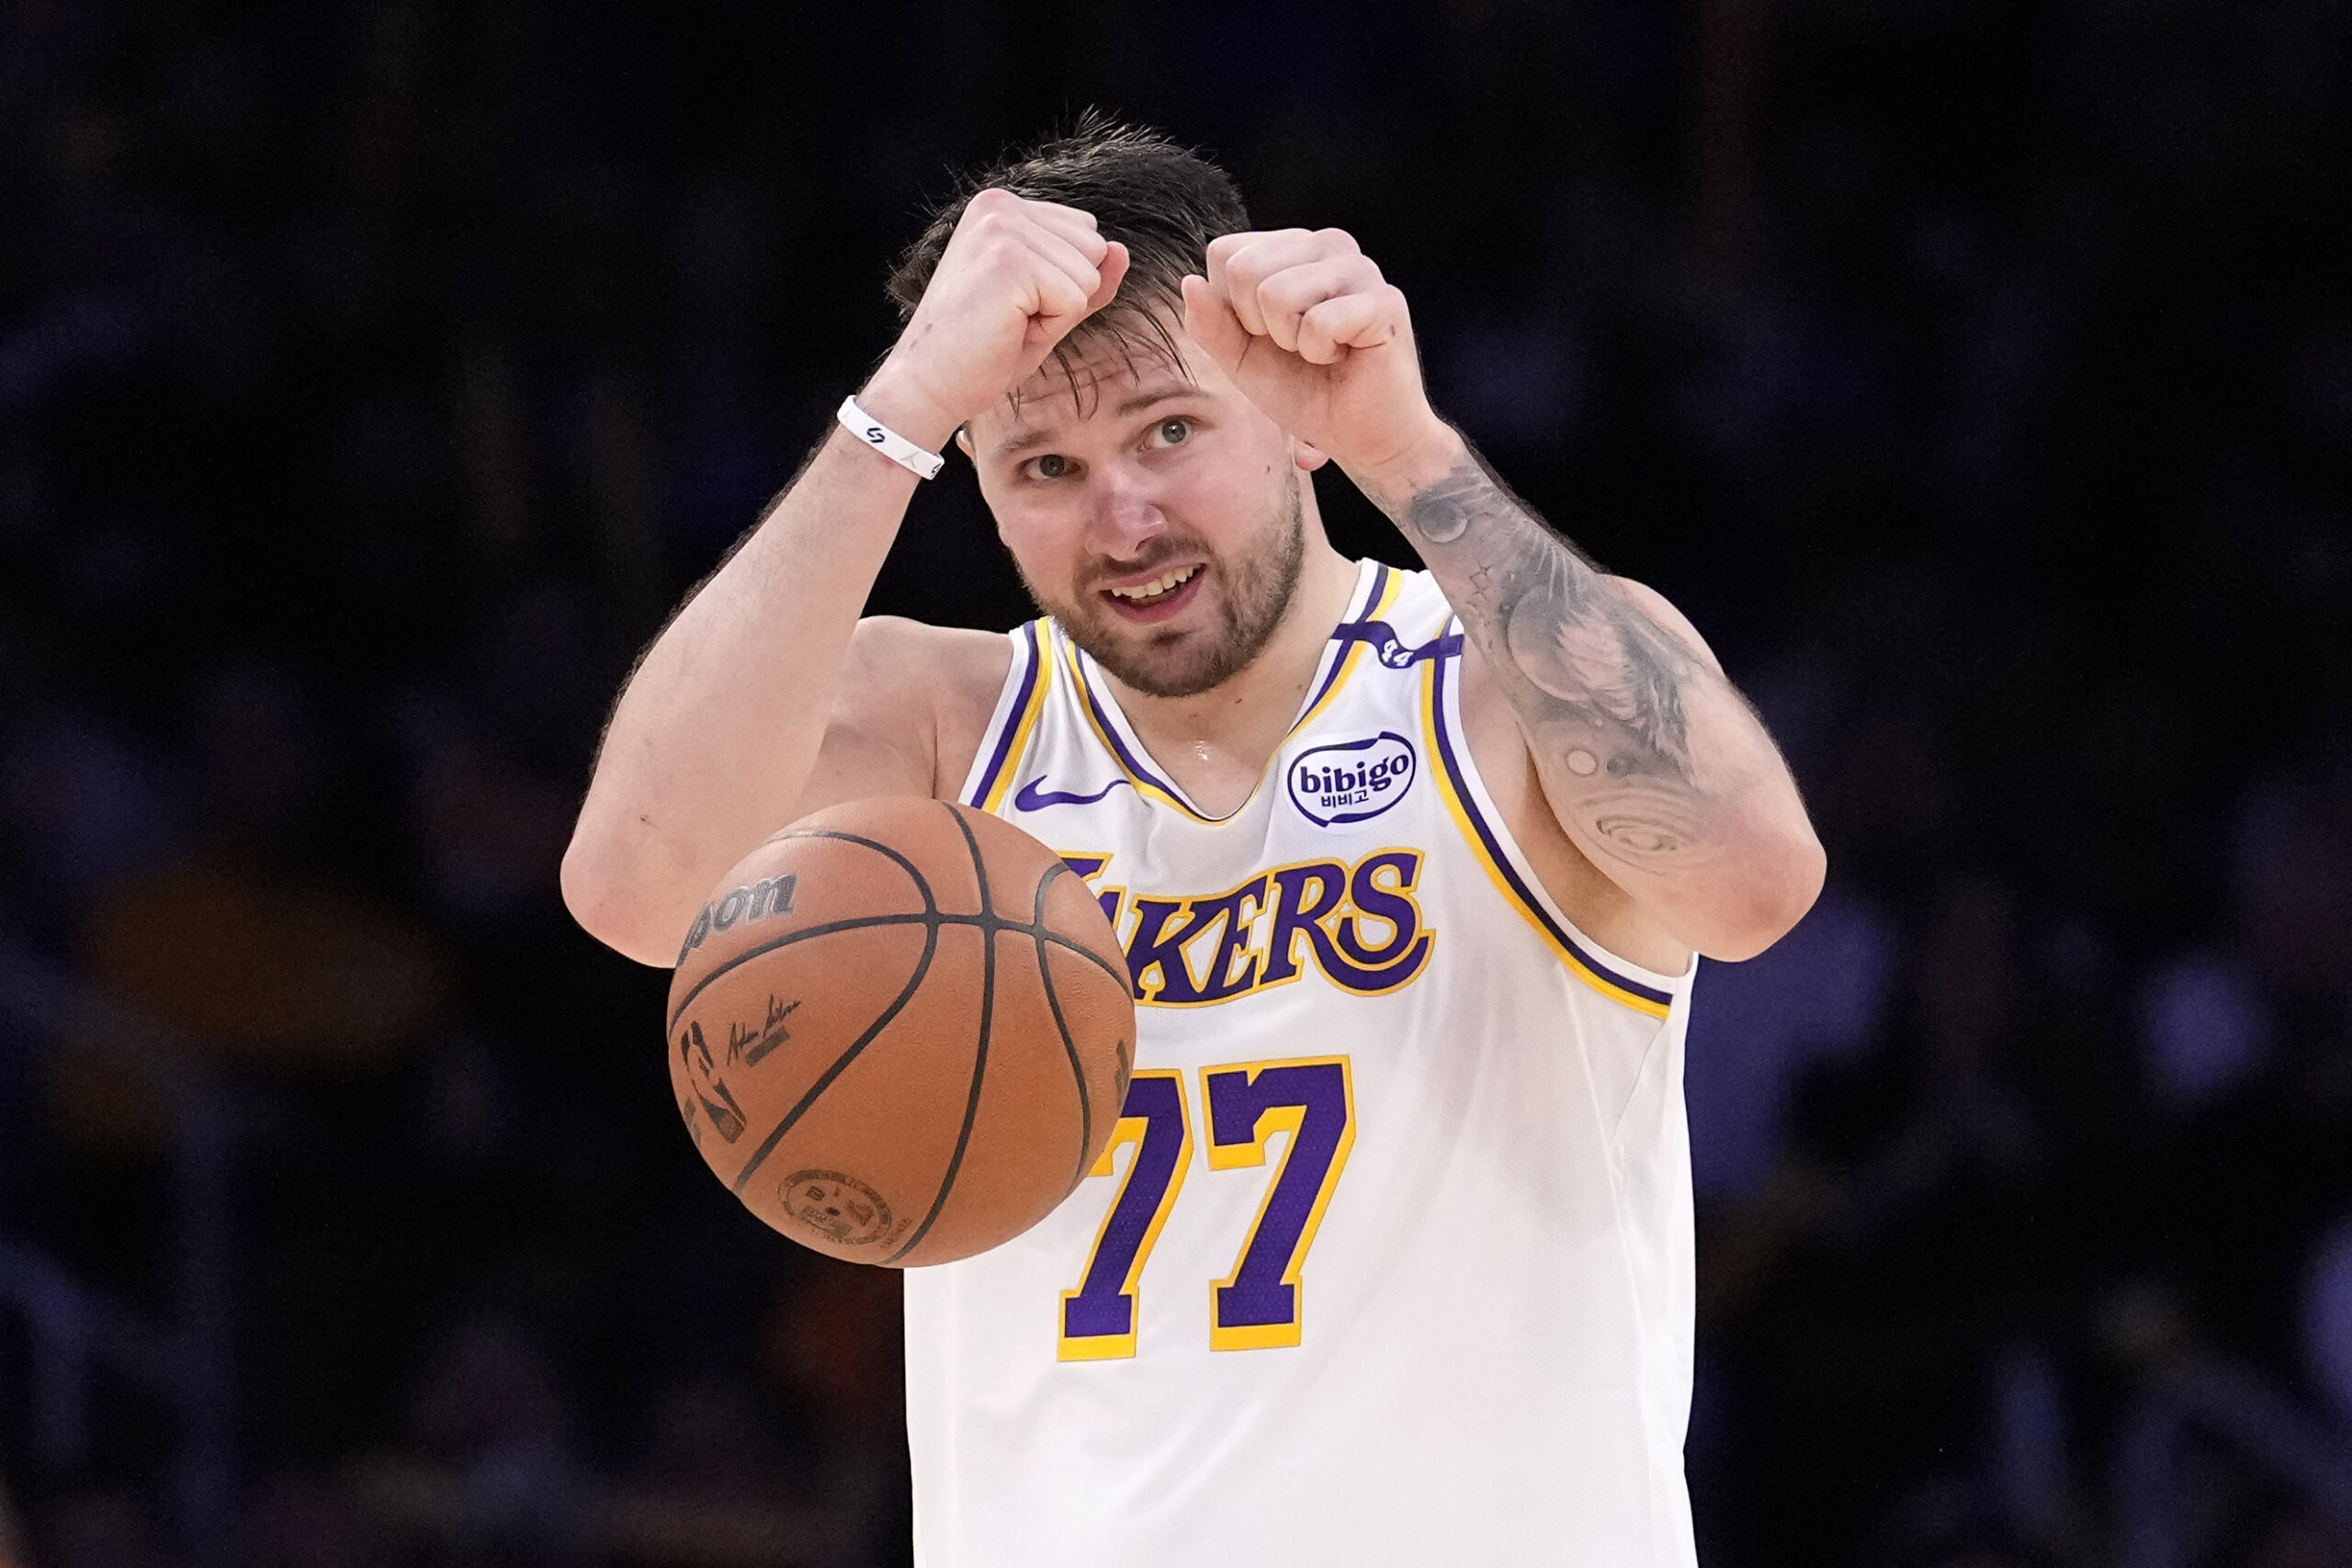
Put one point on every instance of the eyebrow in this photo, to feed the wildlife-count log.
(1023, 440)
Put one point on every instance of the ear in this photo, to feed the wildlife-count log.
(963, 439)
(1307, 458)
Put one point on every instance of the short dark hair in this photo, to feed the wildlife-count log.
(1164, 202)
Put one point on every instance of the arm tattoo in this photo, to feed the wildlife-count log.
(1598, 687)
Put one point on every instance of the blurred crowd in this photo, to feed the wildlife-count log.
(373, 375)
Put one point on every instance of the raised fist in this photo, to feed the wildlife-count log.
(1015, 277)
(1312, 333)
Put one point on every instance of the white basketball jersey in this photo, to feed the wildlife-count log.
(1390, 1259)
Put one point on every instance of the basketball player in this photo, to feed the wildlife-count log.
(1391, 1260)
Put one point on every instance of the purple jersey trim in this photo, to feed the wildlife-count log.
(1019, 710)
(1344, 633)
(1127, 759)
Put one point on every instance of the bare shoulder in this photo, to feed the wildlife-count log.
(895, 650)
(931, 687)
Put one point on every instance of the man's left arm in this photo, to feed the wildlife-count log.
(1655, 766)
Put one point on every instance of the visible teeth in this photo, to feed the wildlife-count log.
(1159, 585)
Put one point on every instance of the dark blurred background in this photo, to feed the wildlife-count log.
(374, 374)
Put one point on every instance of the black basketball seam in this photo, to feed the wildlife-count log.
(993, 924)
(858, 923)
(922, 886)
(980, 866)
(840, 1064)
(1115, 971)
(986, 922)
(846, 838)
(1061, 1023)
(980, 1048)
(914, 872)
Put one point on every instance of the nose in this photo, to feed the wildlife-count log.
(1125, 516)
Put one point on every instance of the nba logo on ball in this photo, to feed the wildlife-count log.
(1354, 781)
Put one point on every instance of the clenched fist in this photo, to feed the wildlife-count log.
(1307, 327)
(1015, 277)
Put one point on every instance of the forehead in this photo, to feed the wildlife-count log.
(1107, 383)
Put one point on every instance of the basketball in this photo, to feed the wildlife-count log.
(900, 1032)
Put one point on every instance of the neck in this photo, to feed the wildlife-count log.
(1242, 720)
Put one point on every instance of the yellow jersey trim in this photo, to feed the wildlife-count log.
(1024, 723)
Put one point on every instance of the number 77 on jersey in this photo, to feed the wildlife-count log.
(1259, 1305)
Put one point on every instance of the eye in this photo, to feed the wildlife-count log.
(1052, 465)
(1174, 431)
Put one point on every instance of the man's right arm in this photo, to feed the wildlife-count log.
(751, 699)
(720, 728)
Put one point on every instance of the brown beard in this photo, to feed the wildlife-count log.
(1255, 592)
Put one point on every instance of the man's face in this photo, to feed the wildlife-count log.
(1155, 514)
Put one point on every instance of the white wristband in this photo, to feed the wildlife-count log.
(889, 442)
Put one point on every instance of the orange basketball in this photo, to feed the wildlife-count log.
(900, 1032)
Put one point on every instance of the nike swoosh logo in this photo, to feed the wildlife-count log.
(1032, 798)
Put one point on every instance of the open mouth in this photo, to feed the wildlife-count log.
(1158, 597)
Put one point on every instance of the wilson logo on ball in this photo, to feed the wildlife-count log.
(755, 901)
